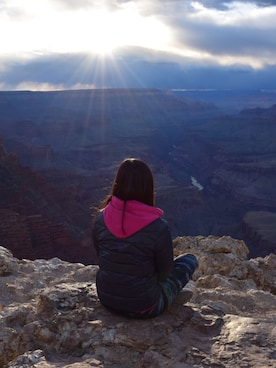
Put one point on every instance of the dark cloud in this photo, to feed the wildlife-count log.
(216, 4)
(132, 71)
(221, 32)
(223, 5)
(229, 40)
(266, 3)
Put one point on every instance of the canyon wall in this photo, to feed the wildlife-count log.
(67, 145)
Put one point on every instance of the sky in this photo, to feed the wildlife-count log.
(168, 44)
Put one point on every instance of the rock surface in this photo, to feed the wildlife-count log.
(51, 316)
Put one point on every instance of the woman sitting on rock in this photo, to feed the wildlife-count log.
(137, 275)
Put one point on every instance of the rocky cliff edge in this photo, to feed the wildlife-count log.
(51, 317)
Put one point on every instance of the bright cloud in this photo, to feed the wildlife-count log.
(40, 26)
(34, 86)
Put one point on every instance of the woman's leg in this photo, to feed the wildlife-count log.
(184, 267)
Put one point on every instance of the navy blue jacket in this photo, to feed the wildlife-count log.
(130, 268)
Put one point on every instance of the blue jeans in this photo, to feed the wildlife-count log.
(184, 267)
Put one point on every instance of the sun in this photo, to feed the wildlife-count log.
(102, 31)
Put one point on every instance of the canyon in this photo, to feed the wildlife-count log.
(212, 155)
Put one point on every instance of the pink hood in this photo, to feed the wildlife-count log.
(137, 215)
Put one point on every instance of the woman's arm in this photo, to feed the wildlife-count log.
(164, 254)
(94, 235)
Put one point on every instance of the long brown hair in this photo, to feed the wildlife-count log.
(133, 181)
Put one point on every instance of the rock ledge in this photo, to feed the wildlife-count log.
(51, 316)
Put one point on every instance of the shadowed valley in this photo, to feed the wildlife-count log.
(214, 164)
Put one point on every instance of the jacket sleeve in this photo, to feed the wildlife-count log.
(94, 236)
(164, 254)
(95, 242)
